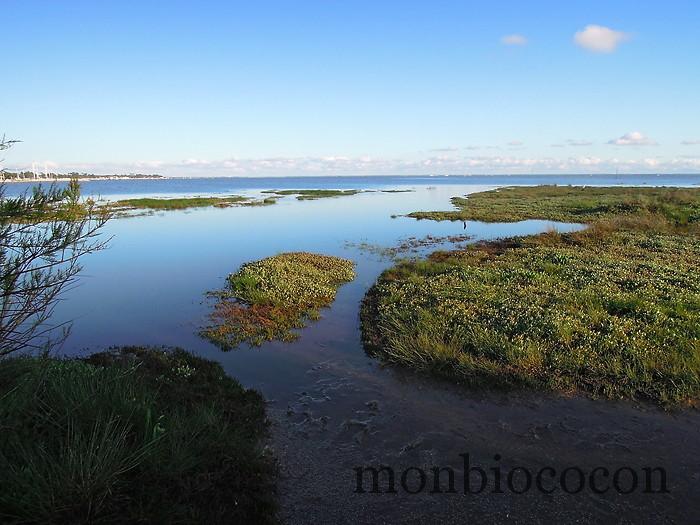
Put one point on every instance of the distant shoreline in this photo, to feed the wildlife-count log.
(10, 177)
(67, 178)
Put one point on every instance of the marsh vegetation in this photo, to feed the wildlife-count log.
(177, 203)
(268, 299)
(267, 201)
(573, 204)
(305, 195)
(613, 310)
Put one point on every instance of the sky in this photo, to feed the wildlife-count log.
(329, 87)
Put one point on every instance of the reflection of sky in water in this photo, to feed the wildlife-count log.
(148, 287)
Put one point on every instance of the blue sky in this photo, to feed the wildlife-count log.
(341, 87)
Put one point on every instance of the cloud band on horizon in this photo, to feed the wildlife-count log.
(340, 165)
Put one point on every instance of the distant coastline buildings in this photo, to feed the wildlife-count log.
(33, 175)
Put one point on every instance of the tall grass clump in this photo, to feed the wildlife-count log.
(130, 436)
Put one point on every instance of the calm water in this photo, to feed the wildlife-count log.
(149, 288)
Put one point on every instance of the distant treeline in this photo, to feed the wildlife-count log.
(30, 175)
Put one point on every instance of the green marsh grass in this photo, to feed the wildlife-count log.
(178, 203)
(611, 311)
(573, 204)
(270, 298)
(304, 195)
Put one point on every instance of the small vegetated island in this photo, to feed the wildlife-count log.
(612, 310)
(267, 299)
(307, 195)
(183, 203)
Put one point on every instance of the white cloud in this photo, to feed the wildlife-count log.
(342, 165)
(514, 40)
(600, 39)
(691, 142)
(634, 138)
(516, 143)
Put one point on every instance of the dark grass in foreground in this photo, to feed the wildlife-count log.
(134, 436)
(304, 195)
(611, 311)
(572, 204)
(269, 298)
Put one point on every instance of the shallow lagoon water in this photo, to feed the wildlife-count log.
(149, 286)
(332, 407)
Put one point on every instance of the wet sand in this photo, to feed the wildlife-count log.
(341, 418)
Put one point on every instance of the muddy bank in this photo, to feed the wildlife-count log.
(340, 419)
